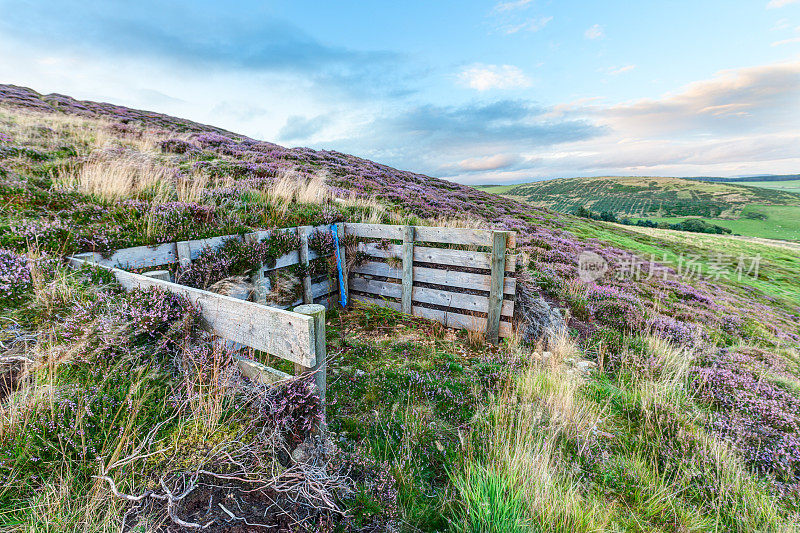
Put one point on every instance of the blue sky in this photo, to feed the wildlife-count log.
(474, 91)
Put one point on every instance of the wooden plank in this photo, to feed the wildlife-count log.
(258, 372)
(435, 276)
(171, 252)
(455, 300)
(289, 259)
(451, 320)
(408, 267)
(499, 242)
(281, 333)
(142, 256)
(197, 246)
(462, 236)
(378, 288)
(318, 290)
(304, 233)
(438, 256)
(374, 231)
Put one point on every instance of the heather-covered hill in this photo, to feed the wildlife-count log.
(689, 422)
(635, 196)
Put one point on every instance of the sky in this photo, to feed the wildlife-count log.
(495, 91)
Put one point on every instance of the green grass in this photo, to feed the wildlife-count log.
(645, 196)
(779, 268)
(782, 222)
(784, 185)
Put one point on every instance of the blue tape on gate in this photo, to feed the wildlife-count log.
(342, 291)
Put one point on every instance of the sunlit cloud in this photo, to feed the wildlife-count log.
(774, 4)
(595, 32)
(793, 40)
(532, 24)
(501, 7)
(616, 71)
(484, 77)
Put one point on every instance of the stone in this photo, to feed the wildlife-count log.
(534, 318)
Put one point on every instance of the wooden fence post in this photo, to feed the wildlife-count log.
(184, 254)
(320, 368)
(499, 241)
(343, 259)
(308, 297)
(408, 268)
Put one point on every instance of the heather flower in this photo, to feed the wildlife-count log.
(176, 146)
(675, 331)
(15, 276)
(760, 418)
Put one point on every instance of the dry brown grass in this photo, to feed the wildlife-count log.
(193, 187)
(291, 186)
(113, 179)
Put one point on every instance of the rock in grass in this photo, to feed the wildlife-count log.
(534, 317)
(234, 286)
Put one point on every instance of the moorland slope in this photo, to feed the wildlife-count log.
(672, 403)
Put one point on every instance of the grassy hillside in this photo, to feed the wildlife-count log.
(644, 197)
(671, 404)
(792, 186)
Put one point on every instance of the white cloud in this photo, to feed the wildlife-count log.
(738, 122)
(787, 41)
(616, 71)
(595, 32)
(773, 4)
(501, 7)
(532, 24)
(491, 162)
(484, 77)
(762, 98)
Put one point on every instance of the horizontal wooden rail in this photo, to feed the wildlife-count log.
(435, 276)
(459, 236)
(458, 300)
(438, 256)
(449, 319)
(170, 252)
(277, 332)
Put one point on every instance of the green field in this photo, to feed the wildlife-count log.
(782, 185)
(782, 222)
(646, 197)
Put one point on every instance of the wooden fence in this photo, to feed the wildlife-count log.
(298, 337)
(470, 288)
(461, 288)
(315, 289)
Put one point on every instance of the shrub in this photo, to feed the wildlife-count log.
(15, 276)
(616, 308)
(176, 146)
(760, 418)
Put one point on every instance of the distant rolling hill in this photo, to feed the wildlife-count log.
(765, 209)
(646, 196)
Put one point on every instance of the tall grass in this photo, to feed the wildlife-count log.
(515, 465)
(118, 178)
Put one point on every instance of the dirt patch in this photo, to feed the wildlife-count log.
(240, 508)
(9, 379)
